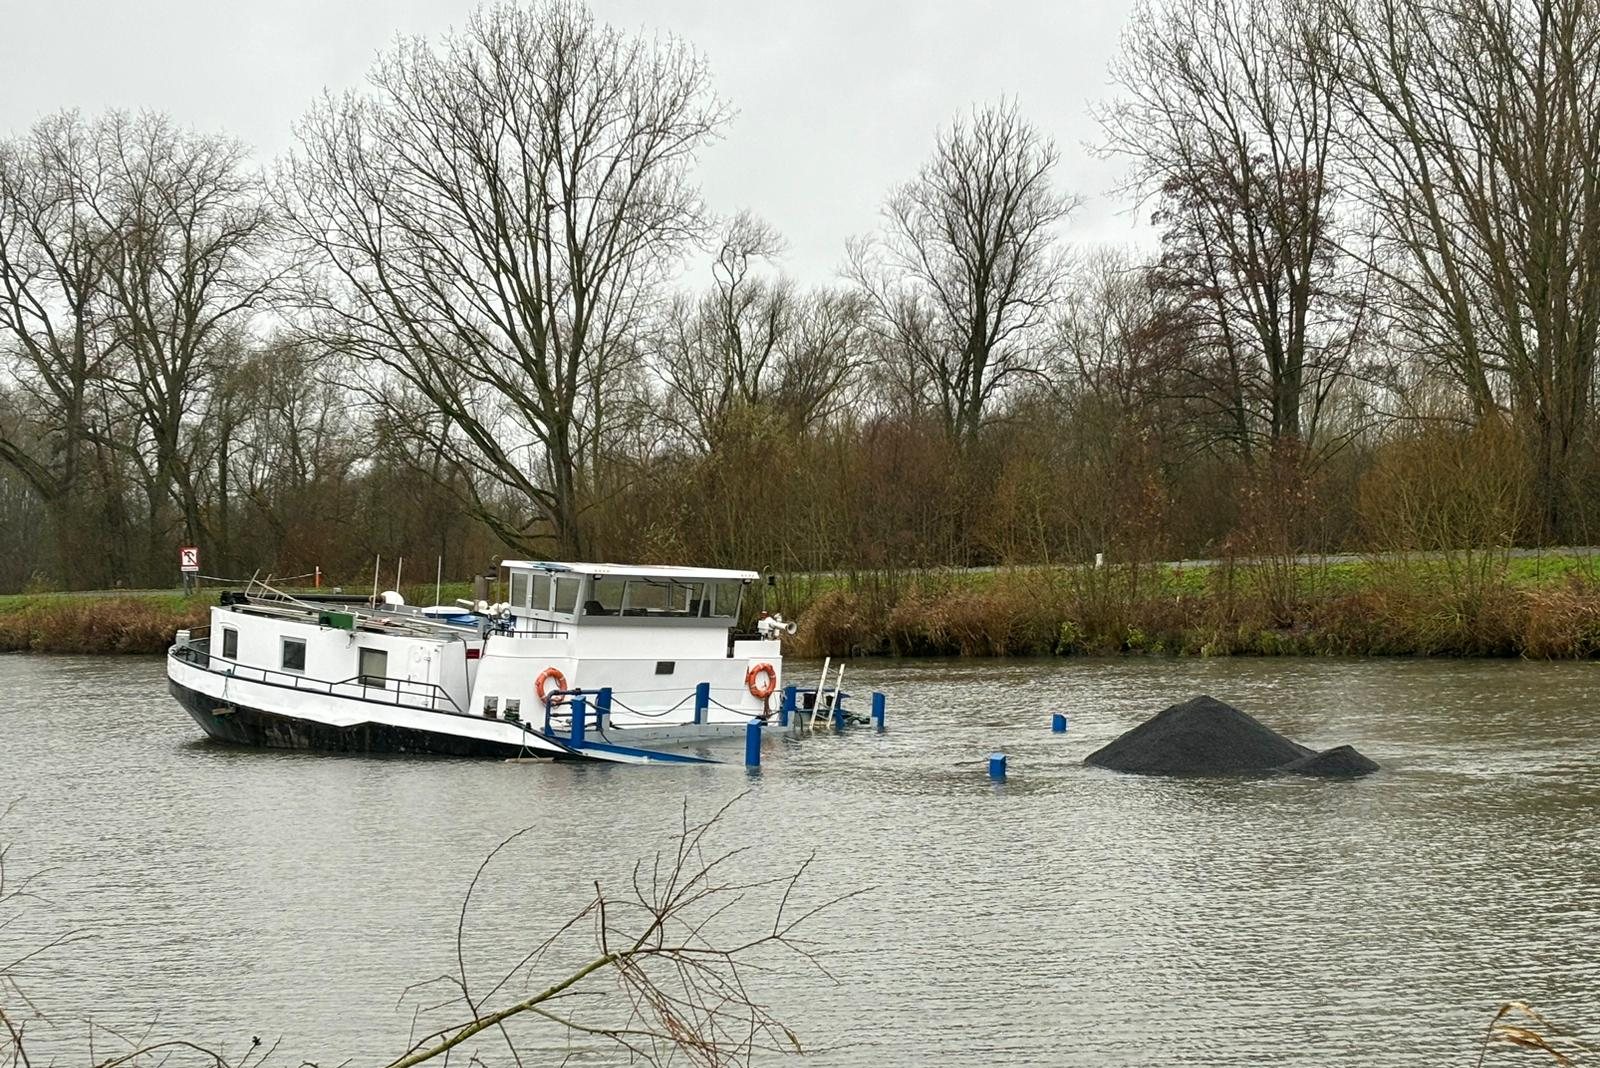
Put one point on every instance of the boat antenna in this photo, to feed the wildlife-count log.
(378, 560)
(401, 566)
(438, 579)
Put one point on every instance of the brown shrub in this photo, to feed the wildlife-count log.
(1563, 622)
(838, 623)
(98, 624)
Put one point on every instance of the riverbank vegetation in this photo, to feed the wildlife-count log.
(101, 623)
(130, 621)
(1543, 606)
(1370, 324)
(1461, 605)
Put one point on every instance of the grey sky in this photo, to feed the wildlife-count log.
(837, 100)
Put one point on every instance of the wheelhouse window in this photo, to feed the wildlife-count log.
(541, 594)
(725, 597)
(519, 589)
(230, 643)
(605, 597)
(566, 595)
(374, 667)
(294, 654)
(662, 597)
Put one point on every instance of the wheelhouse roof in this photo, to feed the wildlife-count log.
(634, 570)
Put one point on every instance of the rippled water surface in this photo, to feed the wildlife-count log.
(1070, 916)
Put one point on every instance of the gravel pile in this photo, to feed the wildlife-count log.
(1204, 736)
(1340, 762)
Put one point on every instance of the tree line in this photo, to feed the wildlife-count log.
(454, 320)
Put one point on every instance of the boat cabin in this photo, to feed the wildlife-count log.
(686, 610)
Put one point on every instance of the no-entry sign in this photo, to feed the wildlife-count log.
(189, 558)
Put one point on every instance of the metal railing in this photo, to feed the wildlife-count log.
(426, 696)
(535, 632)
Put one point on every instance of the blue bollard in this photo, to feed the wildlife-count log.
(752, 744)
(877, 710)
(578, 712)
(787, 707)
(838, 711)
(702, 701)
(1058, 724)
(997, 766)
(602, 707)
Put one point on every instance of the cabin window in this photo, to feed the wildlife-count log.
(725, 595)
(294, 654)
(541, 593)
(519, 589)
(662, 597)
(566, 595)
(230, 643)
(374, 667)
(605, 597)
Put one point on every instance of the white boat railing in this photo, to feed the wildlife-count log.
(401, 693)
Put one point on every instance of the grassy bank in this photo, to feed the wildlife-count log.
(97, 623)
(1460, 604)
(135, 621)
(1456, 604)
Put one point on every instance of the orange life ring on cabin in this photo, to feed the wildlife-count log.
(761, 691)
(561, 684)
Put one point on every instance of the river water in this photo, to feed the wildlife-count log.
(1068, 916)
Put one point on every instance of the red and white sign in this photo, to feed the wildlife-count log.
(189, 558)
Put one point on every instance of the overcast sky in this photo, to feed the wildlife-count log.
(837, 100)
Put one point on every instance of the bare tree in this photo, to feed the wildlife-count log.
(185, 241)
(967, 269)
(492, 222)
(1229, 127)
(285, 447)
(755, 340)
(130, 260)
(1112, 328)
(52, 349)
(1475, 127)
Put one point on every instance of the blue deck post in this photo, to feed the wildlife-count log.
(702, 701)
(838, 711)
(997, 766)
(578, 712)
(602, 707)
(786, 709)
(877, 709)
(752, 744)
(1058, 724)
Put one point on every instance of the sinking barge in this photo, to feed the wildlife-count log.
(584, 661)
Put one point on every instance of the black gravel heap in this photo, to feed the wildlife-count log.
(1204, 736)
(1340, 762)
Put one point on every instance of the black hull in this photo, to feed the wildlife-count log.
(241, 725)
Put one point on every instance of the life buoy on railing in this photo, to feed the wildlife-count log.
(761, 690)
(561, 684)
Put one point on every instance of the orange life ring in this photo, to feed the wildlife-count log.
(761, 691)
(561, 684)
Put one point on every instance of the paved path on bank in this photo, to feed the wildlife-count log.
(1591, 552)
